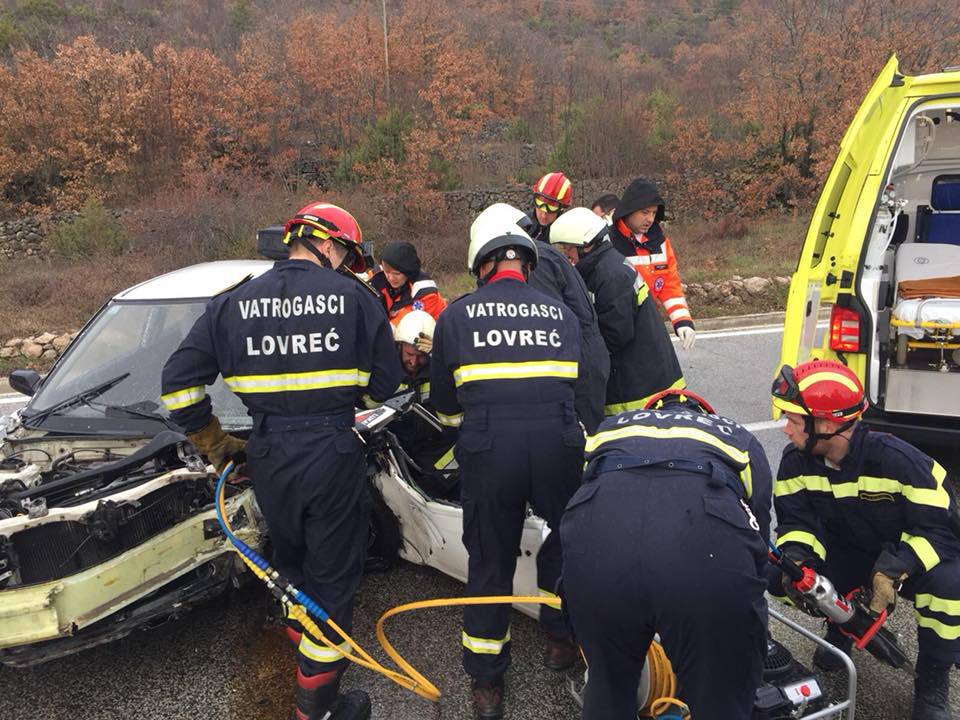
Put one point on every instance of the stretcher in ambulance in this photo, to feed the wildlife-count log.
(882, 252)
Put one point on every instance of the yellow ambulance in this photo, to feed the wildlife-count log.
(882, 253)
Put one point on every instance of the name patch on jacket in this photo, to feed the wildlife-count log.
(499, 309)
(516, 338)
(288, 307)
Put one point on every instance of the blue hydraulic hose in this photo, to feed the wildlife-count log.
(254, 557)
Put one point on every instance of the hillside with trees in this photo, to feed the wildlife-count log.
(202, 120)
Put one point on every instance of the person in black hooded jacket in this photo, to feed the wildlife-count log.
(636, 232)
(642, 360)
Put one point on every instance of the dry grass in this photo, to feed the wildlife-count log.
(184, 228)
(708, 251)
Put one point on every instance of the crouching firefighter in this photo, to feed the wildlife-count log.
(298, 345)
(503, 369)
(866, 509)
(667, 535)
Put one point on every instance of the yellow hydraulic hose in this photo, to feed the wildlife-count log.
(662, 684)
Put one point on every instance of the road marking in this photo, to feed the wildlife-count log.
(13, 399)
(764, 330)
(765, 425)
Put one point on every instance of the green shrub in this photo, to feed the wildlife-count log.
(444, 173)
(519, 129)
(94, 233)
(383, 140)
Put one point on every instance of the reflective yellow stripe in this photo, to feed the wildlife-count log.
(923, 550)
(937, 604)
(643, 293)
(936, 497)
(444, 460)
(947, 632)
(746, 477)
(515, 371)
(674, 433)
(789, 486)
(617, 408)
(804, 538)
(450, 420)
(824, 376)
(563, 189)
(485, 646)
(320, 652)
(182, 398)
(552, 596)
(287, 382)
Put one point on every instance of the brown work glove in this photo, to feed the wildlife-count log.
(424, 343)
(217, 445)
(889, 573)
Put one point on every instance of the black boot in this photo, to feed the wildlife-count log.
(931, 690)
(826, 660)
(560, 654)
(488, 698)
(315, 694)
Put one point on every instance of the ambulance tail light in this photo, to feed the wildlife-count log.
(844, 329)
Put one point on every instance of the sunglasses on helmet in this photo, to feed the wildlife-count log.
(545, 205)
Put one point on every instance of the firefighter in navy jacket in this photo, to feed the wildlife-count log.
(298, 345)
(503, 369)
(642, 360)
(555, 277)
(868, 509)
(667, 535)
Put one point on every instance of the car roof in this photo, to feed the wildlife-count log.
(197, 281)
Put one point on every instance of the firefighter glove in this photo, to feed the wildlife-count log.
(424, 343)
(217, 445)
(688, 336)
(889, 572)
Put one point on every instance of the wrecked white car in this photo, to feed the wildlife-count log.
(106, 517)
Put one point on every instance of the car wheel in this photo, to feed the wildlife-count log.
(383, 540)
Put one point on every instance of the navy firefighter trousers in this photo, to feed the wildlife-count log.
(661, 551)
(310, 483)
(510, 455)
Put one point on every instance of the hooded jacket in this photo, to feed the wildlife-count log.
(642, 359)
(651, 254)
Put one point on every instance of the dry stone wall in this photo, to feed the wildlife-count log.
(44, 347)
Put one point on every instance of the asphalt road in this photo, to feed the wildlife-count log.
(229, 659)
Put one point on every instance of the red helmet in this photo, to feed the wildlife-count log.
(820, 389)
(554, 189)
(325, 221)
(682, 397)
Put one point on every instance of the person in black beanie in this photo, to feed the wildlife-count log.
(403, 286)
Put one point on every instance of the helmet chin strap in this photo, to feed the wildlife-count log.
(814, 437)
(321, 258)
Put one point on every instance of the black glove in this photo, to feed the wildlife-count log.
(799, 557)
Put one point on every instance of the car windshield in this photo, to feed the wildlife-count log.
(135, 338)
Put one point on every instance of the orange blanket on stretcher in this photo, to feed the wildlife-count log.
(943, 287)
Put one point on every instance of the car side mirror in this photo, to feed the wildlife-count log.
(25, 381)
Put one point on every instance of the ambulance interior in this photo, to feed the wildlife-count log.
(911, 273)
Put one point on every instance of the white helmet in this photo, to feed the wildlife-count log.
(578, 226)
(498, 227)
(412, 324)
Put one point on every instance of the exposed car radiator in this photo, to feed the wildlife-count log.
(57, 549)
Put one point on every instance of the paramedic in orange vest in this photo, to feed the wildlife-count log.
(637, 234)
(402, 284)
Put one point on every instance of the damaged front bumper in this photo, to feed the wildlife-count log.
(175, 569)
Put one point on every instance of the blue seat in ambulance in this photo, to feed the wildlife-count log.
(940, 221)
